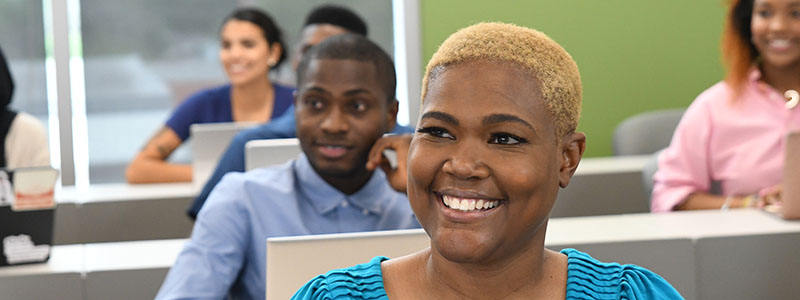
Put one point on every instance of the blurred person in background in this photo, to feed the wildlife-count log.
(25, 139)
(251, 46)
(321, 23)
(728, 149)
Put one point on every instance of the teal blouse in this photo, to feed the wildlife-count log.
(587, 278)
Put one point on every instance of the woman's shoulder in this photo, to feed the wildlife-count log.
(720, 91)
(27, 123)
(364, 281)
(588, 277)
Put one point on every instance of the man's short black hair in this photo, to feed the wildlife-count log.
(353, 47)
(339, 16)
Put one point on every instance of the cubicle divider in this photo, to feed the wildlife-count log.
(756, 266)
(122, 212)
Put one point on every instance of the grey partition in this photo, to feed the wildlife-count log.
(63, 286)
(65, 228)
(124, 284)
(673, 259)
(749, 266)
(134, 220)
(602, 193)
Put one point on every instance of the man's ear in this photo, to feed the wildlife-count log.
(572, 147)
(391, 114)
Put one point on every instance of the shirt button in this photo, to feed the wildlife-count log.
(366, 212)
(345, 204)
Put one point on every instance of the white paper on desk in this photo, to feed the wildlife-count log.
(6, 192)
(20, 249)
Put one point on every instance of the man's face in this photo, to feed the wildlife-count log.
(341, 109)
(312, 35)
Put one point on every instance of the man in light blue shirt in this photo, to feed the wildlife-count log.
(321, 23)
(344, 103)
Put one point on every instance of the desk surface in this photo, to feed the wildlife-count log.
(611, 164)
(691, 224)
(132, 255)
(63, 259)
(125, 192)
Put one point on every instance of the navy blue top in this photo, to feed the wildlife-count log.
(214, 106)
(587, 278)
(233, 158)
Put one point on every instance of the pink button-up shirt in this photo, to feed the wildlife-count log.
(735, 143)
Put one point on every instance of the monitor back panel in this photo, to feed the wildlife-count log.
(208, 143)
(25, 236)
(264, 153)
(791, 177)
(293, 261)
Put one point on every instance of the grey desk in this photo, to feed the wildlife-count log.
(739, 254)
(128, 270)
(59, 278)
(123, 212)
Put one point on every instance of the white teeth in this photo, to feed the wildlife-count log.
(237, 68)
(468, 204)
(779, 43)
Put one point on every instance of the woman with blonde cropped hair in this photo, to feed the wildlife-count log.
(495, 141)
(728, 150)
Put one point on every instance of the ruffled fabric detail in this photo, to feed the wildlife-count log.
(364, 281)
(588, 278)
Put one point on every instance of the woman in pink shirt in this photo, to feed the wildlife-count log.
(728, 149)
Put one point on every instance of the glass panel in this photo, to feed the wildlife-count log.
(141, 59)
(290, 16)
(22, 41)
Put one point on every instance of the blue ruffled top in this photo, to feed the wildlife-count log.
(587, 278)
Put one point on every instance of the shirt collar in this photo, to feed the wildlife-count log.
(325, 197)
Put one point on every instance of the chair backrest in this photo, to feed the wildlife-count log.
(646, 133)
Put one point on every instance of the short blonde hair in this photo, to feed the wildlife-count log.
(553, 69)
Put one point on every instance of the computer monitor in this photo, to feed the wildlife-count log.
(790, 208)
(293, 261)
(26, 214)
(208, 143)
(264, 153)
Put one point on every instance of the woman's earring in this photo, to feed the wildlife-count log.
(271, 63)
(792, 98)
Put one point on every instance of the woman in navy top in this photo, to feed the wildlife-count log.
(495, 141)
(251, 45)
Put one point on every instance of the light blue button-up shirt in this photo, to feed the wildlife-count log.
(227, 250)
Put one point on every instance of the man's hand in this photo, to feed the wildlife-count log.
(399, 144)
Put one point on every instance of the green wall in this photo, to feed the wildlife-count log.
(634, 55)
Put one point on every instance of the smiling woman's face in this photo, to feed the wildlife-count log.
(485, 164)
